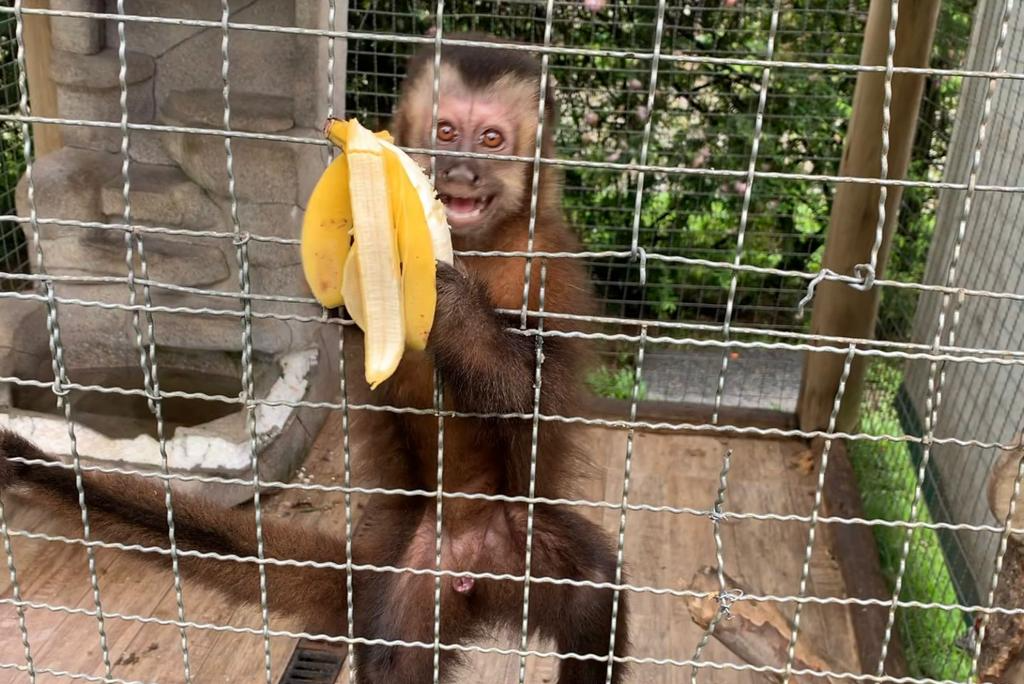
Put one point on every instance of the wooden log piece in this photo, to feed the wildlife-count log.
(1001, 481)
(757, 632)
(1002, 653)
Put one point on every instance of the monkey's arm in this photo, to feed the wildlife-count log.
(131, 510)
(491, 368)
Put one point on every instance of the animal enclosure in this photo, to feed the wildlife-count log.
(801, 222)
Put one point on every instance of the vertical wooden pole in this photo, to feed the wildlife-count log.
(838, 308)
(42, 91)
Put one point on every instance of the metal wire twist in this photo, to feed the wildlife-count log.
(55, 342)
(748, 191)
(534, 444)
(725, 598)
(936, 374)
(248, 382)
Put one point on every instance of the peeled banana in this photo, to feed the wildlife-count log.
(377, 196)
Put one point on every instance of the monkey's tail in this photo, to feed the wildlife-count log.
(14, 446)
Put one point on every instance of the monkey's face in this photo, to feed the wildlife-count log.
(479, 194)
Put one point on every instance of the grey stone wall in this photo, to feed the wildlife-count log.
(180, 181)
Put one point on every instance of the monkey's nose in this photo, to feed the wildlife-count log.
(461, 174)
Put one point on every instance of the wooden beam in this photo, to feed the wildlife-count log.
(838, 308)
(42, 91)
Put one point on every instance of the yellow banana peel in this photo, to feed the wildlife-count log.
(377, 198)
(326, 231)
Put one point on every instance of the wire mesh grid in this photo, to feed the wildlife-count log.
(704, 117)
(660, 291)
(13, 254)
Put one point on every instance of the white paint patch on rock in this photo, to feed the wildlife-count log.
(184, 452)
(290, 387)
(190, 448)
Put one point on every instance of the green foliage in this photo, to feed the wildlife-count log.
(12, 240)
(705, 116)
(887, 478)
(615, 383)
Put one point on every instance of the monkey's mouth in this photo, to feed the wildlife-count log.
(463, 210)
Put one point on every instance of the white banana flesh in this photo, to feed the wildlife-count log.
(377, 246)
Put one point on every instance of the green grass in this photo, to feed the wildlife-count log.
(887, 477)
(615, 383)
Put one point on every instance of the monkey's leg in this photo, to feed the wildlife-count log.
(131, 510)
(578, 618)
(400, 532)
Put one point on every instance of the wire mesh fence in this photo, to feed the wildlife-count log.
(702, 149)
(703, 117)
(13, 256)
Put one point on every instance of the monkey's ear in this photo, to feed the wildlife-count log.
(398, 128)
(552, 112)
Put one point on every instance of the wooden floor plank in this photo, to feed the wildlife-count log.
(662, 549)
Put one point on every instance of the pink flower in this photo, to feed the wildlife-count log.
(591, 118)
(635, 84)
(595, 5)
(702, 156)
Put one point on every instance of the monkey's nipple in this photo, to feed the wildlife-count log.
(463, 585)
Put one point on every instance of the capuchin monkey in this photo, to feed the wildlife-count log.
(488, 103)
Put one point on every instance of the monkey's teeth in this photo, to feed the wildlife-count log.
(464, 207)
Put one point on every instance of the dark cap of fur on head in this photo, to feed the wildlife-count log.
(481, 66)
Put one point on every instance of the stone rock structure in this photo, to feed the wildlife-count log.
(179, 181)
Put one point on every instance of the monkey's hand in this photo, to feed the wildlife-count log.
(459, 296)
(489, 366)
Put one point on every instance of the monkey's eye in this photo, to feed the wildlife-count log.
(445, 132)
(492, 138)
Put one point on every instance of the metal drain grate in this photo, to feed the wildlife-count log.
(313, 663)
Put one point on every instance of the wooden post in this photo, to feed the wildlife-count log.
(838, 308)
(42, 92)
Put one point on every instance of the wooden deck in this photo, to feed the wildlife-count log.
(662, 550)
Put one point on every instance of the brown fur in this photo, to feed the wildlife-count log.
(486, 369)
